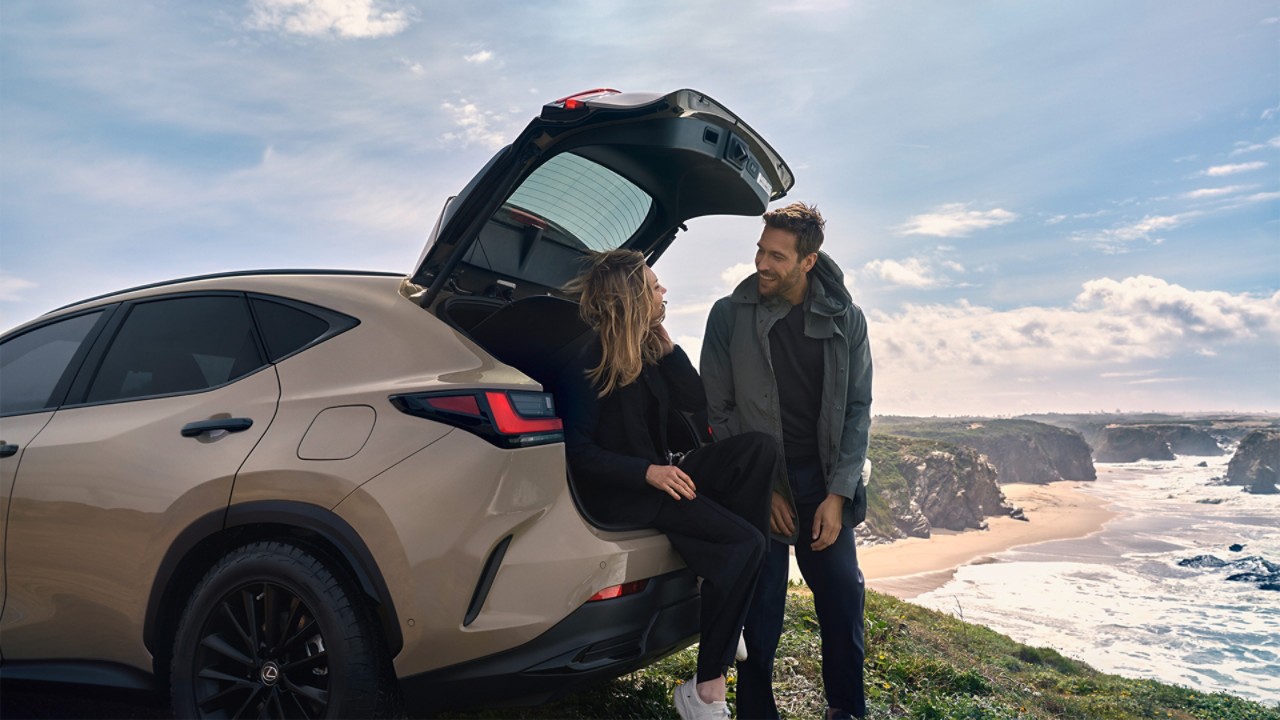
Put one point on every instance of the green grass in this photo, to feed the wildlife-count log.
(921, 665)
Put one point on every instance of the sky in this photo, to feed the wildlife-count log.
(1040, 206)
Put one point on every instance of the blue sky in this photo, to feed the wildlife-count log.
(1040, 206)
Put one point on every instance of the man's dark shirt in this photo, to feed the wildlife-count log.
(797, 367)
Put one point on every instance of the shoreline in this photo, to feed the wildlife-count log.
(913, 566)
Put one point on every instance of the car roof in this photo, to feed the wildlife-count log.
(218, 276)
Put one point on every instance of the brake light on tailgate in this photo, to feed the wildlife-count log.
(570, 107)
(506, 418)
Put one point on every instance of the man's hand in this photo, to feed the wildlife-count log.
(781, 521)
(664, 340)
(671, 480)
(827, 522)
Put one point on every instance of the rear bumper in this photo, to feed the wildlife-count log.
(597, 642)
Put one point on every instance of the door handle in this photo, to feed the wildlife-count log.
(234, 425)
(7, 449)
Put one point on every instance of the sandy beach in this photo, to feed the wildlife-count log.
(910, 567)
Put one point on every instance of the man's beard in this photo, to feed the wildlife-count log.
(781, 284)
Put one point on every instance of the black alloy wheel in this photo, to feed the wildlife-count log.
(271, 632)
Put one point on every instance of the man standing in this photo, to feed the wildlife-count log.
(786, 353)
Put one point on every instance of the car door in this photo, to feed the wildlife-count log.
(170, 402)
(36, 366)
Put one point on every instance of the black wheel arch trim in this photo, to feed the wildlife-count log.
(221, 527)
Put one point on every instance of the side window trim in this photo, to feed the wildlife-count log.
(61, 389)
(79, 389)
(338, 322)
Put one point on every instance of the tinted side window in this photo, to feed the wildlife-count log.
(178, 345)
(286, 329)
(32, 363)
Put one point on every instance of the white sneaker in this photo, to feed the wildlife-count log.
(691, 707)
(741, 653)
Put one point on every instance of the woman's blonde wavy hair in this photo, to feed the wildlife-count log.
(614, 298)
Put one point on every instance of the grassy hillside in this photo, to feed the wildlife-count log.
(921, 665)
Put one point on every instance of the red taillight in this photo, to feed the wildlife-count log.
(506, 418)
(511, 422)
(578, 100)
(465, 404)
(617, 591)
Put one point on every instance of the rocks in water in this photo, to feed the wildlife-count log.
(1202, 463)
(1202, 561)
(1210, 501)
(1252, 569)
(1236, 547)
(1256, 463)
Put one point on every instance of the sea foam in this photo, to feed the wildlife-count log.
(1120, 601)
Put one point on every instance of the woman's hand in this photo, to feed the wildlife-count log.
(664, 340)
(781, 521)
(671, 480)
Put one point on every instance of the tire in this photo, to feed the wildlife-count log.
(273, 631)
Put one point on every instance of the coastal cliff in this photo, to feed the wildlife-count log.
(920, 485)
(1256, 463)
(1021, 450)
(1130, 443)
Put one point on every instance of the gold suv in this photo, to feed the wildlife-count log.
(344, 494)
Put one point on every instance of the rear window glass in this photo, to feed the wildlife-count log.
(178, 345)
(31, 364)
(581, 203)
(286, 329)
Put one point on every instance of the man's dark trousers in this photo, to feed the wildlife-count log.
(839, 594)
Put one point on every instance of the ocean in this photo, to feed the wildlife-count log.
(1120, 601)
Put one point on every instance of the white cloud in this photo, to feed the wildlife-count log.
(1232, 169)
(1136, 373)
(414, 67)
(951, 358)
(479, 58)
(912, 272)
(1242, 148)
(475, 126)
(954, 220)
(1262, 197)
(1216, 192)
(328, 18)
(11, 288)
(735, 274)
(1160, 381)
(1118, 239)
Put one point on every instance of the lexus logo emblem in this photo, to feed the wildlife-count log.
(270, 673)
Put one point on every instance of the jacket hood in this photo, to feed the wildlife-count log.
(829, 295)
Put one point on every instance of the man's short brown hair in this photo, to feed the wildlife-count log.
(802, 220)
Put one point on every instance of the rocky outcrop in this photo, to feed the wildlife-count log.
(1131, 443)
(1256, 464)
(1021, 450)
(918, 486)
(1189, 440)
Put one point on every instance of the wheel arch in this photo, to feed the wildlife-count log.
(211, 536)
